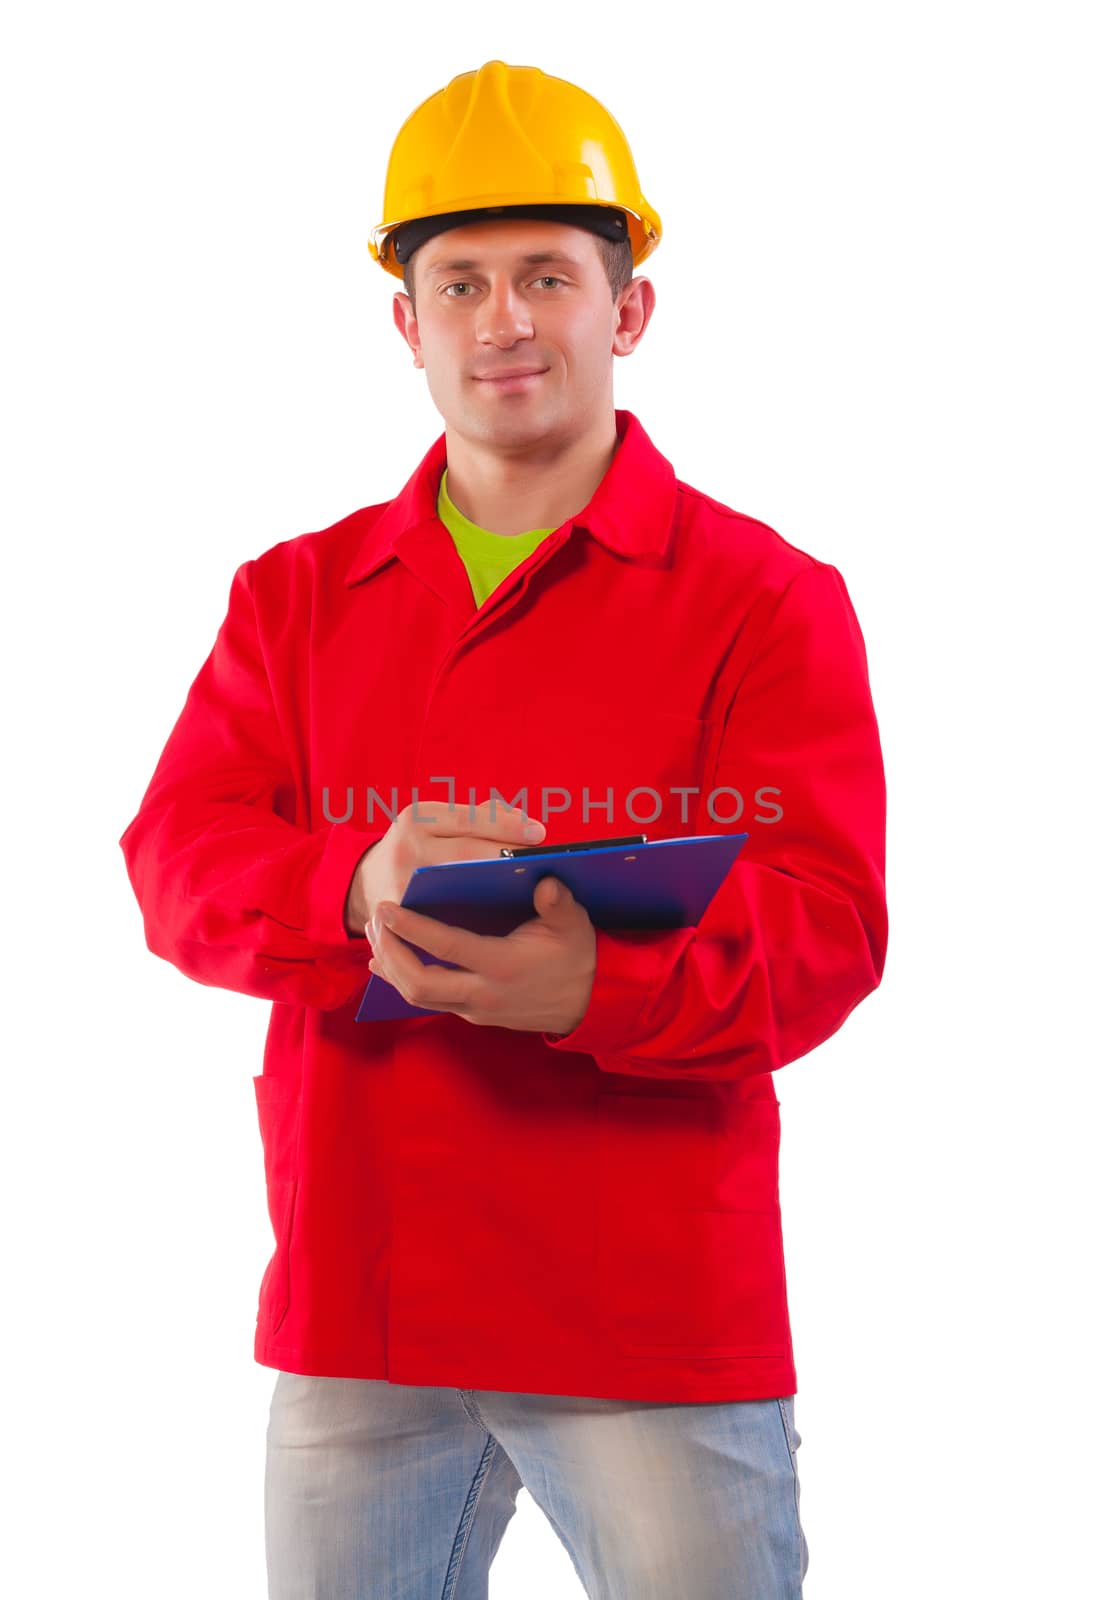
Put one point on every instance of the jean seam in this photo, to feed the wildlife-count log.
(472, 1410)
(795, 1480)
(460, 1544)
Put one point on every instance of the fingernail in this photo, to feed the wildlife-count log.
(533, 830)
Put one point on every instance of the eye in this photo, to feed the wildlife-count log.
(547, 277)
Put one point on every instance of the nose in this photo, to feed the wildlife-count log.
(504, 318)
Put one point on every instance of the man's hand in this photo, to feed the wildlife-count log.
(537, 979)
(418, 838)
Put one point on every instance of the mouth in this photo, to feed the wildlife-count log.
(513, 381)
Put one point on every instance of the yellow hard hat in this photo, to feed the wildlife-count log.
(511, 141)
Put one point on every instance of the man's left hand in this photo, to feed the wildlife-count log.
(537, 979)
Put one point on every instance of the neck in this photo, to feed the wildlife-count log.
(538, 486)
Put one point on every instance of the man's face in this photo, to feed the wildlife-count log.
(482, 308)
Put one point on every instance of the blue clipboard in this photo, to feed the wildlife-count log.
(665, 883)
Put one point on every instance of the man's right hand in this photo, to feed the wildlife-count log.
(425, 833)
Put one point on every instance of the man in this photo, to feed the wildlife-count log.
(532, 1236)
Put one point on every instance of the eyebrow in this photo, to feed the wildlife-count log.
(468, 264)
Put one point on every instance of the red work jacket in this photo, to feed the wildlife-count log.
(595, 1213)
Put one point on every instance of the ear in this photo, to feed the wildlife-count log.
(634, 312)
(403, 315)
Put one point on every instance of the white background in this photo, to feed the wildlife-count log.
(874, 331)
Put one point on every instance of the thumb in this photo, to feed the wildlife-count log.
(552, 893)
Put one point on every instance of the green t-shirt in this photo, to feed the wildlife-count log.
(488, 557)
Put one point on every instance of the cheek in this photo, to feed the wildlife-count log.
(588, 346)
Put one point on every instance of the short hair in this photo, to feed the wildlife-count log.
(616, 257)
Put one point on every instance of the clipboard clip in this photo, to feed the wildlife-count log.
(569, 849)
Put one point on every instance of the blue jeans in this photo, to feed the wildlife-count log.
(382, 1491)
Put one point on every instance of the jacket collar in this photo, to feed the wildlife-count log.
(630, 512)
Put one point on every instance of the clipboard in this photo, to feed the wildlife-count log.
(664, 883)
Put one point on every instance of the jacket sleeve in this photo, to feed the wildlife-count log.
(233, 892)
(796, 935)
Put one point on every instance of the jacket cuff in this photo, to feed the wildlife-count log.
(330, 881)
(630, 969)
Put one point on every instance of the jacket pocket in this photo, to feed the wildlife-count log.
(689, 1253)
(277, 1103)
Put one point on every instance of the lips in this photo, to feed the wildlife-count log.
(511, 377)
